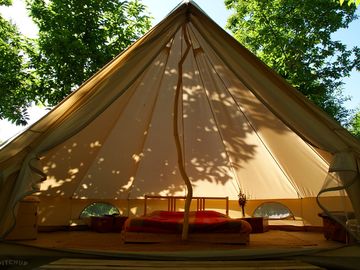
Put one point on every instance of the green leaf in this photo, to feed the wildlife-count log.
(295, 39)
(16, 74)
(76, 38)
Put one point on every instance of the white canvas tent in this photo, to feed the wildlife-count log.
(186, 110)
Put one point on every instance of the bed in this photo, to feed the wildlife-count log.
(204, 225)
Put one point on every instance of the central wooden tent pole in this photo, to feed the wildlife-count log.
(177, 139)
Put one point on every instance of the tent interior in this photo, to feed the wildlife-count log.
(185, 111)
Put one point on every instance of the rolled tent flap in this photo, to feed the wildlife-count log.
(344, 169)
(32, 171)
(185, 108)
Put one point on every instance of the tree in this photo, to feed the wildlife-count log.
(77, 37)
(354, 126)
(294, 38)
(356, 2)
(16, 76)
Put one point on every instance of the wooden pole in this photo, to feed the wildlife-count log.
(180, 155)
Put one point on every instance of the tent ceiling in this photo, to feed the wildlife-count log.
(230, 139)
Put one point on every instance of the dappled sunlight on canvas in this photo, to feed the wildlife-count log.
(134, 210)
(225, 135)
(218, 135)
(95, 144)
(128, 185)
(137, 158)
(52, 182)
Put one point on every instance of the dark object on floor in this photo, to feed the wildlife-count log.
(333, 230)
(108, 223)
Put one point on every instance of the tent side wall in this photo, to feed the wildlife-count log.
(58, 212)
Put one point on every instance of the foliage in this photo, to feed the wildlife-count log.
(16, 75)
(5, 2)
(356, 2)
(242, 202)
(273, 210)
(294, 38)
(98, 210)
(242, 198)
(77, 37)
(354, 126)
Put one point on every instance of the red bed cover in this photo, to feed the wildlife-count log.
(199, 222)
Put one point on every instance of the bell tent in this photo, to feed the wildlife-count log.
(185, 111)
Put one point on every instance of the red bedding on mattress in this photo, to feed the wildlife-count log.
(199, 222)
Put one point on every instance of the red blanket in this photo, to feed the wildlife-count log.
(199, 222)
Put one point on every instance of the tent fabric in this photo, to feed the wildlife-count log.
(239, 126)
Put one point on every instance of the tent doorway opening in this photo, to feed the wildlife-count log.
(185, 112)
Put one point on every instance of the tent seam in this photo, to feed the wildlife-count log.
(255, 129)
(215, 119)
(150, 118)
